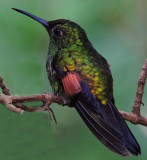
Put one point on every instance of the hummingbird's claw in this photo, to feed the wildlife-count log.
(50, 111)
(66, 101)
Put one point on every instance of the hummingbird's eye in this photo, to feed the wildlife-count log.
(58, 31)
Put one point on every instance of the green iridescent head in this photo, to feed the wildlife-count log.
(62, 32)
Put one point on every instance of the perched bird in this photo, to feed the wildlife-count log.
(77, 72)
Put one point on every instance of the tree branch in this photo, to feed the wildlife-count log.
(135, 116)
(16, 103)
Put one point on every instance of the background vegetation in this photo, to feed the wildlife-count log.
(117, 29)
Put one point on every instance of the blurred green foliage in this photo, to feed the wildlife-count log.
(117, 29)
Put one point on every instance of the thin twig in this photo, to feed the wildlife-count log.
(15, 103)
(5, 90)
(135, 116)
(9, 104)
(46, 98)
(140, 88)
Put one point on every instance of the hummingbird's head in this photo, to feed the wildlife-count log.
(63, 33)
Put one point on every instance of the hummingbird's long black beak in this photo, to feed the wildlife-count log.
(40, 20)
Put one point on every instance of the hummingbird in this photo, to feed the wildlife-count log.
(82, 76)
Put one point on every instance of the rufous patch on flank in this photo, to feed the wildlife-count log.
(71, 83)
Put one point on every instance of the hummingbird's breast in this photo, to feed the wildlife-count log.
(54, 81)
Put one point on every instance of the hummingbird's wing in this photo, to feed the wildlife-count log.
(104, 121)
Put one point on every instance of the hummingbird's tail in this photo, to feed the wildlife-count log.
(106, 123)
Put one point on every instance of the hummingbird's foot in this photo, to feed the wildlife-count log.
(46, 105)
(66, 101)
(50, 111)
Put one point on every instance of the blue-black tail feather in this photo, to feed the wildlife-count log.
(113, 143)
(106, 123)
(130, 141)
